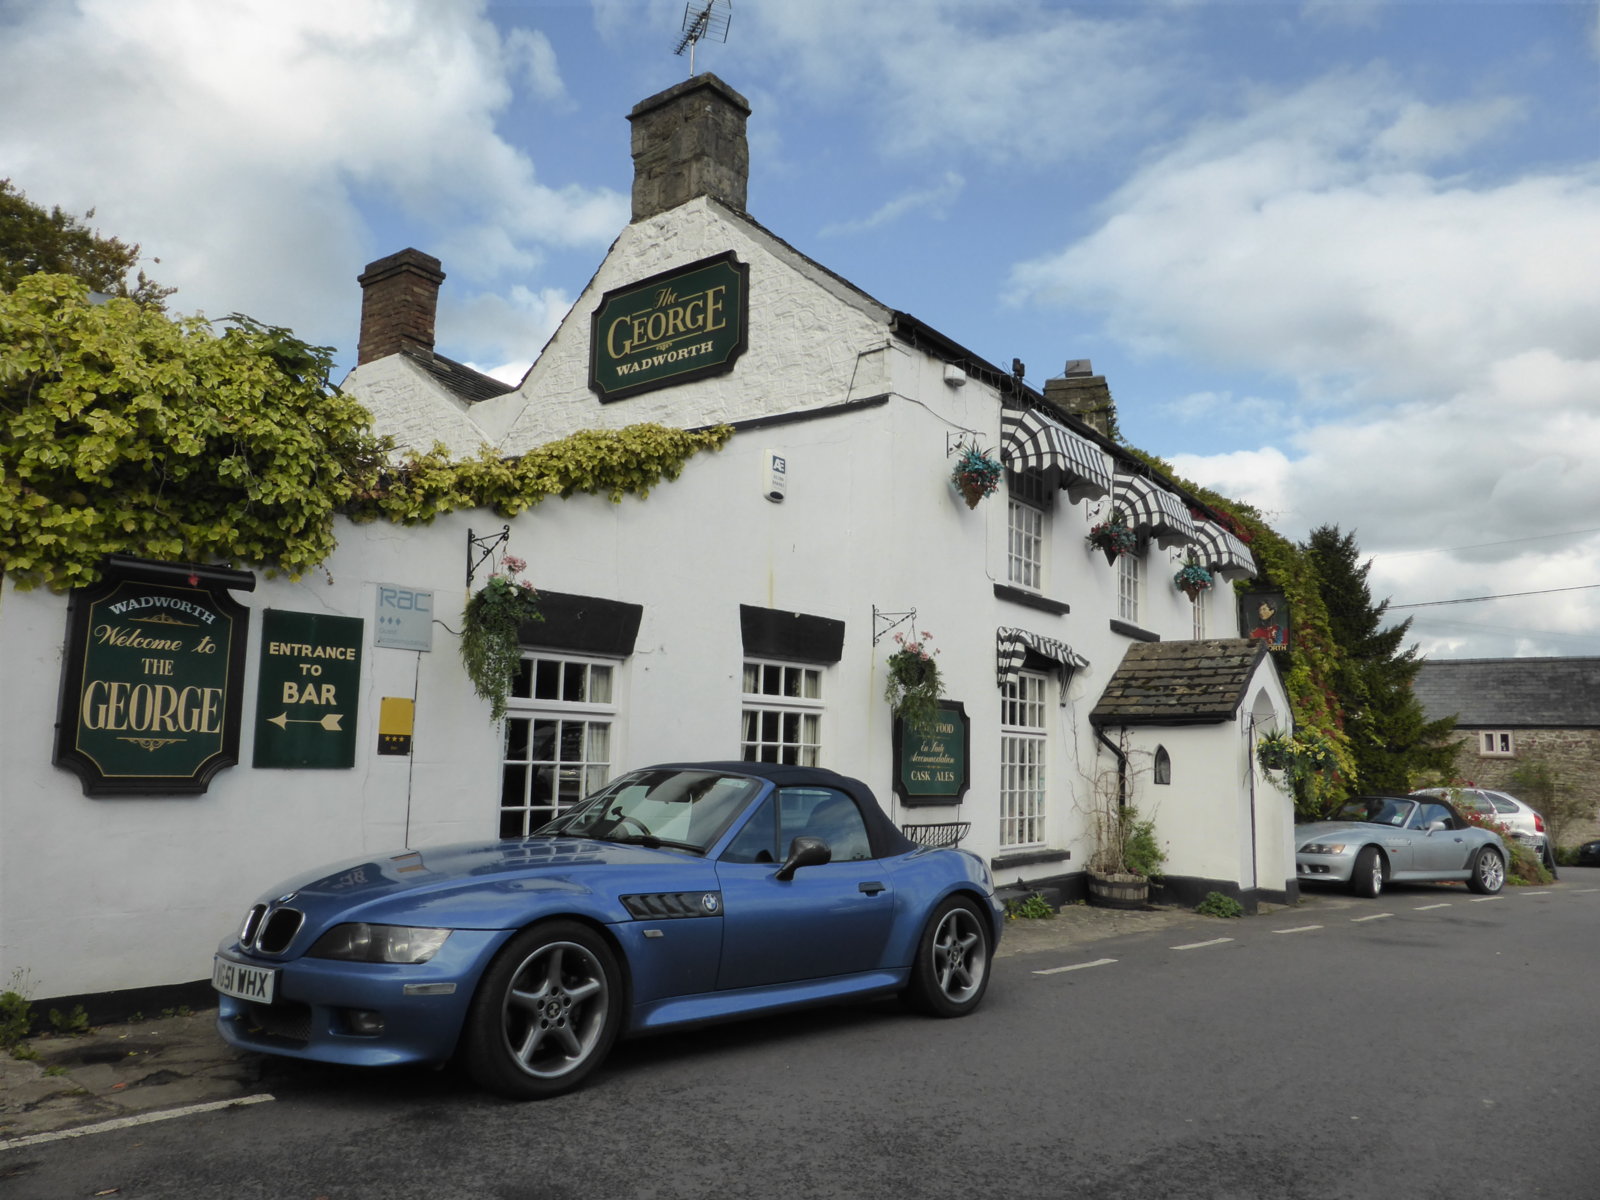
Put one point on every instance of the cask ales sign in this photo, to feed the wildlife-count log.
(154, 673)
(932, 765)
(684, 324)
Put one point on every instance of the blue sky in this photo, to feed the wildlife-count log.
(1340, 259)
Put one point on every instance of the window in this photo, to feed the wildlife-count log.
(802, 812)
(1027, 501)
(558, 739)
(1022, 746)
(1202, 602)
(782, 716)
(1162, 770)
(1128, 587)
(1495, 743)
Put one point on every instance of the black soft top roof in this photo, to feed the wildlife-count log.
(885, 835)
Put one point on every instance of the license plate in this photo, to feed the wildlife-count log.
(243, 982)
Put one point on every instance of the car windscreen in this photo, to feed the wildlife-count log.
(688, 810)
(1376, 810)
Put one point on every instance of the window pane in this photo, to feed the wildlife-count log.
(599, 685)
(547, 680)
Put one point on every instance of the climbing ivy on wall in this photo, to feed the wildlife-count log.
(1309, 664)
(123, 430)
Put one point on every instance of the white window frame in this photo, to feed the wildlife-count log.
(583, 748)
(1202, 606)
(1496, 743)
(782, 725)
(1023, 747)
(1128, 581)
(1027, 507)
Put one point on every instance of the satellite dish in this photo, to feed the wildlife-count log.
(701, 21)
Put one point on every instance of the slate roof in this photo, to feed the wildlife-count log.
(1179, 683)
(1512, 693)
(471, 386)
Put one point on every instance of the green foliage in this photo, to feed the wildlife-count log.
(36, 241)
(16, 1020)
(1217, 905)
(491, 650)
(1392, 743)
(124, 431)
(1141, 853)
(74, 1022)
(1031, 907)
(1562, 806)
(1300, 756)
(1125, 842)
(913, 687)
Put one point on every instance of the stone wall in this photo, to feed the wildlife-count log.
(1572, 754)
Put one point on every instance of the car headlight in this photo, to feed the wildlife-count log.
(360, 942)
(1322, 848)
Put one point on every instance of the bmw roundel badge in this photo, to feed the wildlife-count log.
(711, 902)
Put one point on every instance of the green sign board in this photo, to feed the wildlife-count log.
(308, 691)
(153, 679)
(684, 324)
(932, 766)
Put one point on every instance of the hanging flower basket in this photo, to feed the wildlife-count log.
(491, 651)
(1192, 578)
(914, 684)
(976, 475)
(1114, 537)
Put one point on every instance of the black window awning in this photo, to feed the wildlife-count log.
(1031, 441)
(1012, 647)
(1221, 552)
(1154, 511)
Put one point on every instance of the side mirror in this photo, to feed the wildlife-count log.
(805, 852)
(1438, 823)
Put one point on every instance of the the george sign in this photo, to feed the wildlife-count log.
(934, 766)
(309, 688)
(683, 324)
(404, 618)
(151, 691)
(1264, 616)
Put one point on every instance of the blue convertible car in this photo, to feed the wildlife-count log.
(676, 895)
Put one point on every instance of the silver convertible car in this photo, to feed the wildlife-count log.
(1375, 840)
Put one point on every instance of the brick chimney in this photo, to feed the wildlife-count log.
(689, 141)
(399, 296)
(1079, 391)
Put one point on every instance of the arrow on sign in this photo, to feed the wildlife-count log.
(329, 722)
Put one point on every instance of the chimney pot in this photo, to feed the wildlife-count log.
(399, 300)
(689, 141)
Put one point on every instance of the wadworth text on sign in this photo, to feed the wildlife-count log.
(154, 666)
(684, 324)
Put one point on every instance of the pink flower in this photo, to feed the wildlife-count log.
(515, 565)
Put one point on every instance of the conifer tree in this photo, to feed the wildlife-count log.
(1391, 739)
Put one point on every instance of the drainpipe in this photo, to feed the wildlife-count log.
(1122, 766)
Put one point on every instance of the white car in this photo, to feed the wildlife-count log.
(1526, 825)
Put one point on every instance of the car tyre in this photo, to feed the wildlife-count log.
(1367, 878)
(954, 955)
(545, 1014)
(1488, 871)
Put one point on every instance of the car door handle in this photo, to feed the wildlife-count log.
(872, 887)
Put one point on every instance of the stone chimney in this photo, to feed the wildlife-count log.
(1079, 391)
(689, 141)
(399, 296)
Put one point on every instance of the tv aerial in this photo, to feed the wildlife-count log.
(701, 21)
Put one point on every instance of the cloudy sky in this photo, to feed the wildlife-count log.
(1338, 258)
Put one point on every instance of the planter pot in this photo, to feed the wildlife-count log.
(1118, 891)
(972, 495)
(1192, 590)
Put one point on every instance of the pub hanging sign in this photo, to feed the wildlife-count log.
(151, 691)
(683, 324)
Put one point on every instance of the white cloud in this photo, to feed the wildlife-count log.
(245, 143)
(935, 199)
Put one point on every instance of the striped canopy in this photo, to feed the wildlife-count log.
(1221, 553)
(1154, 511)
(1012, 646)
(1031, 441)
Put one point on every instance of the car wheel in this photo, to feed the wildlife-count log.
(545, 1014)
(1367, 878)
(1488, 871)
(951, 970)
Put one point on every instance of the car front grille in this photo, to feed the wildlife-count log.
(283, 1021)
(270, 929)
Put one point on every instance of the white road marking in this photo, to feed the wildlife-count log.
(1431, 907)
(1373, 917)
(1099, 962)
(1298, 929)
(149, 1118)
(1533, 893)
(1585, 891)
(1202, 945)
(1482, 899)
